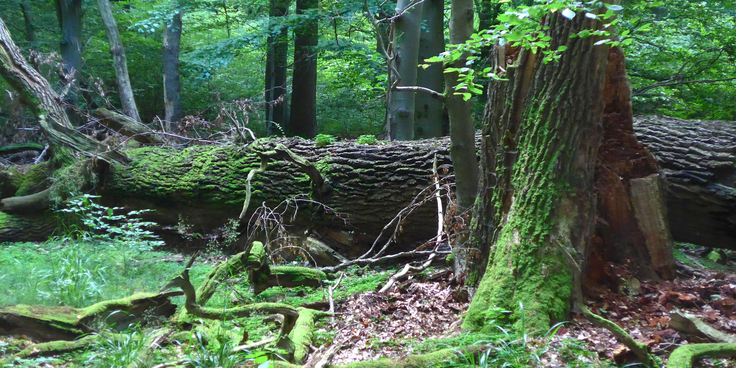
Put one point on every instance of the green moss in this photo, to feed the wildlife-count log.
(214, 175)
(302, 334)
(58, 347)
(684, 356)
(299, 274)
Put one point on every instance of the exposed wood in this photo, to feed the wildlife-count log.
(647, 198)
(691, 325)
(631, 226)
(126, 126)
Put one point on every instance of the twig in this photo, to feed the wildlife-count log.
(330, 290)
(254, 345)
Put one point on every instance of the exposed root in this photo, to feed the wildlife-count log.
(685, 356)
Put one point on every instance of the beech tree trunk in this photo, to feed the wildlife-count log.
(172, 40)
(70, 15)
(372, 183)
(403, 69)
(276, 60)
(118, 61)
(428, 111)
(541, 135)
(28, 20)
(303, 115)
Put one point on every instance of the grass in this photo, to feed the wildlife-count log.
(80, 273)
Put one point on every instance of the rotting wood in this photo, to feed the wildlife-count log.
(126, 126)
(690, 324)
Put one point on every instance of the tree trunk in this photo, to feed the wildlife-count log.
(118, 61)
(276, 60)
(429, 121)
(28, 19)
(70, 15)
(172, 40)
(462, 131)
(403, 70)
(541, 135)
(303, 115)
(192, 183)
(38, 95)
(699, 162)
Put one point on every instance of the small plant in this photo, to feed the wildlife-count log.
(367, 139)
(121, 350)
(75, 277)
(322, 140)
(101, 223)
(217, 354)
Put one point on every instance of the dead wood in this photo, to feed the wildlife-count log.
(692, 325)
(65, 323)
(126, 126)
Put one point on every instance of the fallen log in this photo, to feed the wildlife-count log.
(370, 184)
(65, 323)
(699, 161)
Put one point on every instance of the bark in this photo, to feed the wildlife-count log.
(45, 104)
(462, 129)
(172, 41)
(118, 61)
(70, 15)
(276, 61)
(699, 160)
(429, 121)
(403, 70)
(126, 126)
(28, 19)
(303, 115)
(541, 134)
(207, 185)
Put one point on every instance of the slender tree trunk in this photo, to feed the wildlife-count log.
(45, 104)
(127, 99)
(403, 70)
(303, 116)
(276, 60)
(541, 135)
(227, 17)
(429, 120)
(462, 130)
(69, 14)
(172, 41)
(28, 19)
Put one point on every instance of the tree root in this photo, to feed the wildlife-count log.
(304, 331)
(450, 355)
(684, 356)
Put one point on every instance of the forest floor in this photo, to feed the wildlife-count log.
(418, 315)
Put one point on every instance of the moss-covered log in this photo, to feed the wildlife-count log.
(66, 323)
(287, 276)
(371, 183)
(685, 356)
(368, 184)
(437, 358)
